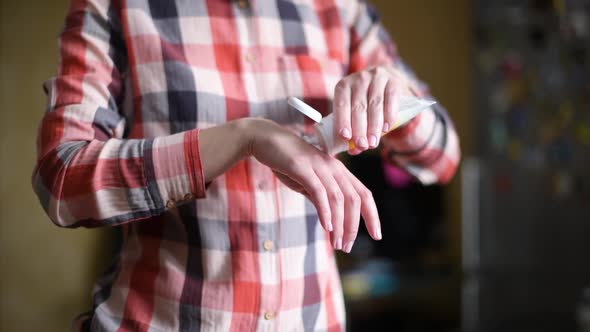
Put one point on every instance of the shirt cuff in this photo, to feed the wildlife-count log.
(193, 163)
(173, 170)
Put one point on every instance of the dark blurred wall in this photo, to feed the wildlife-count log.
(46, 273)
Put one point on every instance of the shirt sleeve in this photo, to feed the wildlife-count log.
(87, 174)
(428, 146)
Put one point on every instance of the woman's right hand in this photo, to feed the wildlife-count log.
(339, 197)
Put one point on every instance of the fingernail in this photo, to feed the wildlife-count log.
(338, 244)
(361, 142)
(385, 127)
(372, 141)
(345, 133)
(348, 247)
(378, 235)
(329, 226)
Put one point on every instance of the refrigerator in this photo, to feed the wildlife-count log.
(526, 188)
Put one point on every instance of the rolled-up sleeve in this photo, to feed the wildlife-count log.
(87, 172)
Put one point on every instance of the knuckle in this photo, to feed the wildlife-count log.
(335, 165)
(329, 161)
(359, 107)
(341, 102)
(336, 196)
(380, 71)
(352, 198)
(376, 101)
(366, 194)
(390, 87)
(316, 159)
(341, 86)
(365, 75)
(297, 164)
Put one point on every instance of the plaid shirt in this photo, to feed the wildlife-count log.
(119, 146)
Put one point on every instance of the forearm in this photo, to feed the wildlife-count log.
(223, 146)
(94, 183)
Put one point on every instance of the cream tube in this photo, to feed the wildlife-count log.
(328, 139)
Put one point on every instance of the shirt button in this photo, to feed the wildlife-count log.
(189, 197)
(170, 204)
(243, 4)
(269, 315)
(262, 185)
(267, 245)
(249, 58)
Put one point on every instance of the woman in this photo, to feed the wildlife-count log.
(168, 119)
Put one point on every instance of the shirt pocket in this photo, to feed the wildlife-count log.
(311, 78)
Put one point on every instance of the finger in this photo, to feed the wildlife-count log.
(375, 112)
(352, 212)
(353, 149)
(336, 201)
(341, 109)
(358, 110)
(368, 208)
(391, 105)
(316, 192)
(354, 152)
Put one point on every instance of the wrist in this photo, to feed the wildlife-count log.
(224, 145)
(248, 131)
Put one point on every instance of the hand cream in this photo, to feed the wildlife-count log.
(328, 139)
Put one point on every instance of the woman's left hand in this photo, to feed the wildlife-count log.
(365, 104)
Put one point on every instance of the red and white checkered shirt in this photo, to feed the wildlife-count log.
(119, 146)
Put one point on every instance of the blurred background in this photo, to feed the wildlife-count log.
(504, 247)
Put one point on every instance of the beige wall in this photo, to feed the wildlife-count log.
(47, 272)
